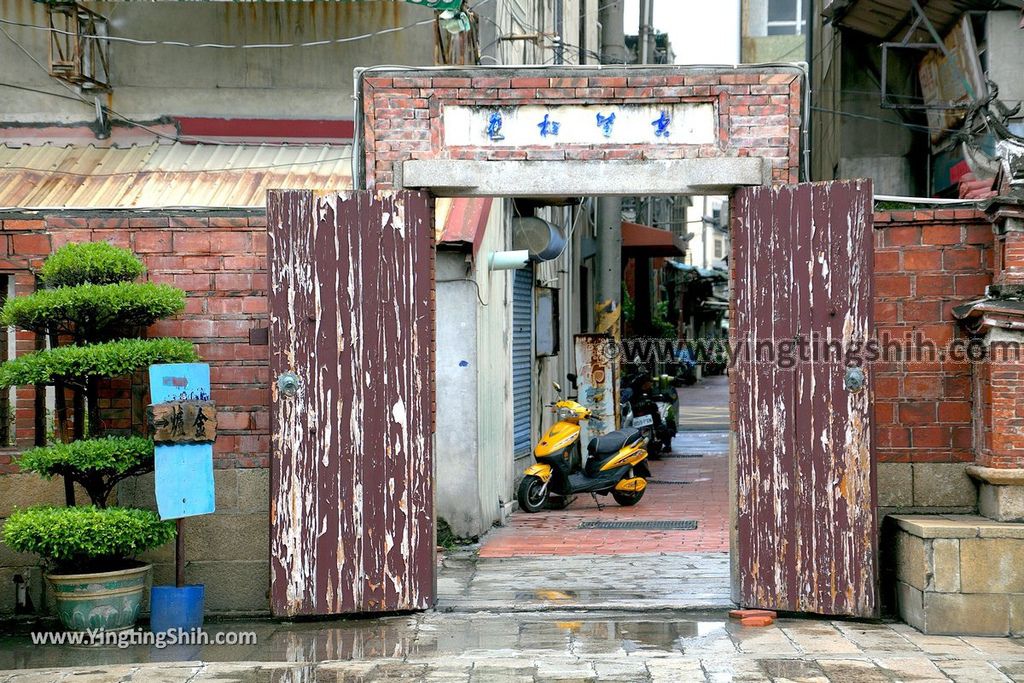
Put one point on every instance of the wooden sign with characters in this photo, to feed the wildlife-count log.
(183, 424)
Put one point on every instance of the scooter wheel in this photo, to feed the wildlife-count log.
(531, 494)
(627, 498)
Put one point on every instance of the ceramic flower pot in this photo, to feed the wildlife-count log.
(105, 600)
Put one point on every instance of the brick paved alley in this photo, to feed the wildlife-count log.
(690, 484)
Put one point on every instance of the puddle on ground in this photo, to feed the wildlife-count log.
(569, 597)
(431, 634)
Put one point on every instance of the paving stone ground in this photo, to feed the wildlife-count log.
(532, 647)
(667, 581)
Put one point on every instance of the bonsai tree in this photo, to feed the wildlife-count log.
(85, 540)
(91, 311)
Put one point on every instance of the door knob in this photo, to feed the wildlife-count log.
(288, 384)
(854, 380)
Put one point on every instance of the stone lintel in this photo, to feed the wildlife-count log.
(516, 178)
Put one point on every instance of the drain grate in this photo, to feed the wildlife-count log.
(682, 455)
(643, 525)
(672, 481)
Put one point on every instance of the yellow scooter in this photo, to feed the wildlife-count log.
(616, 463)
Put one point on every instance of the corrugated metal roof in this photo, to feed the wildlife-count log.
(165, 175)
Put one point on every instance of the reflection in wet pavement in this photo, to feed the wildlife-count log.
(400, 637)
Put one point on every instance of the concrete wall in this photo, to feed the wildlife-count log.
(474, 385)
(228, 552)
(1005, 49)
(150, 81)
(494, 364)
(458, 373)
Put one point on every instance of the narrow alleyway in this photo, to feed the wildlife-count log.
(558, 559)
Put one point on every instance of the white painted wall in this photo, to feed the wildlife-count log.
(700, 250)
(458, 374)
(494, 398)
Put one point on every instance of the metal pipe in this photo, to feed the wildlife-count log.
(645, 20)
(560, 30)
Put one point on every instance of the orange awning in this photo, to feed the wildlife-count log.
(643, 240)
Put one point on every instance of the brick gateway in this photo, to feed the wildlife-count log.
(197, 252)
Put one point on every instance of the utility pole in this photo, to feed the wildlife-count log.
(642, 316)
(608, 308)
(646, 30)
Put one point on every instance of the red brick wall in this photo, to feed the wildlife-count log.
(1001, 399)
(220, 261)
(758, 112)
(926, 262)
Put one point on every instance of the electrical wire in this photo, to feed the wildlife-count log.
(225, 46)
(867, 117)
(38, 91)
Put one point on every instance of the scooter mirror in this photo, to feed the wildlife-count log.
(557, 388)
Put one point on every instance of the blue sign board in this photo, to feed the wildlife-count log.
(184, 471)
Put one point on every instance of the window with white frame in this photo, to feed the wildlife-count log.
(786, 17)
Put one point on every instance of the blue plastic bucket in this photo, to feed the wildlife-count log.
(171, 607)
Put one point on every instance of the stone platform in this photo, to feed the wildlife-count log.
(960, 574)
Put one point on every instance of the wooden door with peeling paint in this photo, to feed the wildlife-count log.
(351, 335)
(806, 519)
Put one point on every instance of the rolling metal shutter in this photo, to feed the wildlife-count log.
(522, 360)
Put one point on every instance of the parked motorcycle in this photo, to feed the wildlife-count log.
(654, 410)
(616, 463)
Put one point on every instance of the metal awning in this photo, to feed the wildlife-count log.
(890, 19)
(462, 221)
(643, 240)
(161, 175)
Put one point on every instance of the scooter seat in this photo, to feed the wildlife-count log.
(612, 442)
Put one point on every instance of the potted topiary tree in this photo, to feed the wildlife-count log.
(90, 310)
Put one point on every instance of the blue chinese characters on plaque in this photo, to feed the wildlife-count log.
(183, 470)
(661, 125)
(548, 127)
(494, 124)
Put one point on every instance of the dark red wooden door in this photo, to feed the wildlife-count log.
(807, 534)
(351, 335)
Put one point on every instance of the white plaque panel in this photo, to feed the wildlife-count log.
(628, 124)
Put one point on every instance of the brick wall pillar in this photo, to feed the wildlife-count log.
(999, 381)
(1009, 227)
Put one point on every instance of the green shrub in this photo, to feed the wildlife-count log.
(74, 365)
(98, 263)
(85, 539)
(92, 313)
(96, 464)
